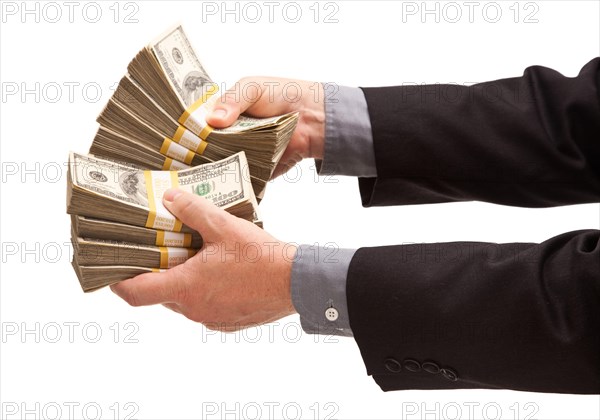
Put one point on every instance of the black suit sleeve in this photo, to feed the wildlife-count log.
(476, 315)
(527, 141)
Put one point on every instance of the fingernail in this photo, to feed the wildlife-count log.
(171, 194)
(219, 113)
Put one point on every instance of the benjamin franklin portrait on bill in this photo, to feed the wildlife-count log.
(133, 185)
(194, 84)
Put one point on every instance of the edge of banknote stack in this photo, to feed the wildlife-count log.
(153, 136)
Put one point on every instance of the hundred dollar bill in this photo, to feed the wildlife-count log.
(170, 71)
(182, 67)
(107, 190)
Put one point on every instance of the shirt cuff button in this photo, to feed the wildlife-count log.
(331, 314)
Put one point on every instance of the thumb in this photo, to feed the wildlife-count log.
(233, 103)
(197, 212)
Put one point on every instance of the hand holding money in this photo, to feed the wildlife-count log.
(153, 135)
(263, 97)
(240, 278)
(156, 119)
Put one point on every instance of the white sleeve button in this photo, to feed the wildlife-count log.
(331, 314)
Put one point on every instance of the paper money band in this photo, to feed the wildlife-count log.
(194, 118)
(157, 270)
(174, 165)
(157, 182)
(173, 150)
(170, 257)
(177, 239)
(189, 140)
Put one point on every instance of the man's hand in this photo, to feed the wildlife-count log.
(240, 278)
(268, 97)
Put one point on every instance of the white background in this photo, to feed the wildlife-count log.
(169, 367)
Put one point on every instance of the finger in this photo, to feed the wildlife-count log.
(288, 160)
(172, 306)
(234, 102)
(149, 289)
(282, 168)
(198, 213)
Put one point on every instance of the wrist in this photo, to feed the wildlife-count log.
(283, 278)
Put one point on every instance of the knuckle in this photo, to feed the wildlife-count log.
(186, 207)
(229, 99)
(179, 284)
(218, 219)
(181, 292)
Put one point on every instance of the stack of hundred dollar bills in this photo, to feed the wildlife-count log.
(156, 117)
(153, 136)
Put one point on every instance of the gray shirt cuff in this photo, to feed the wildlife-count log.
(319, 289)
(348, 138)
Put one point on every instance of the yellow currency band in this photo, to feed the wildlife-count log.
(164, 150)
(201, 147)
(155, 270)
(167, 165)
(164, 255)
(201, 101)
(160, 239)
(205, 132)
(171, 164)
(179, 134)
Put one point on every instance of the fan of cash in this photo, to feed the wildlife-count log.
(153, 136)
(156, 117)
